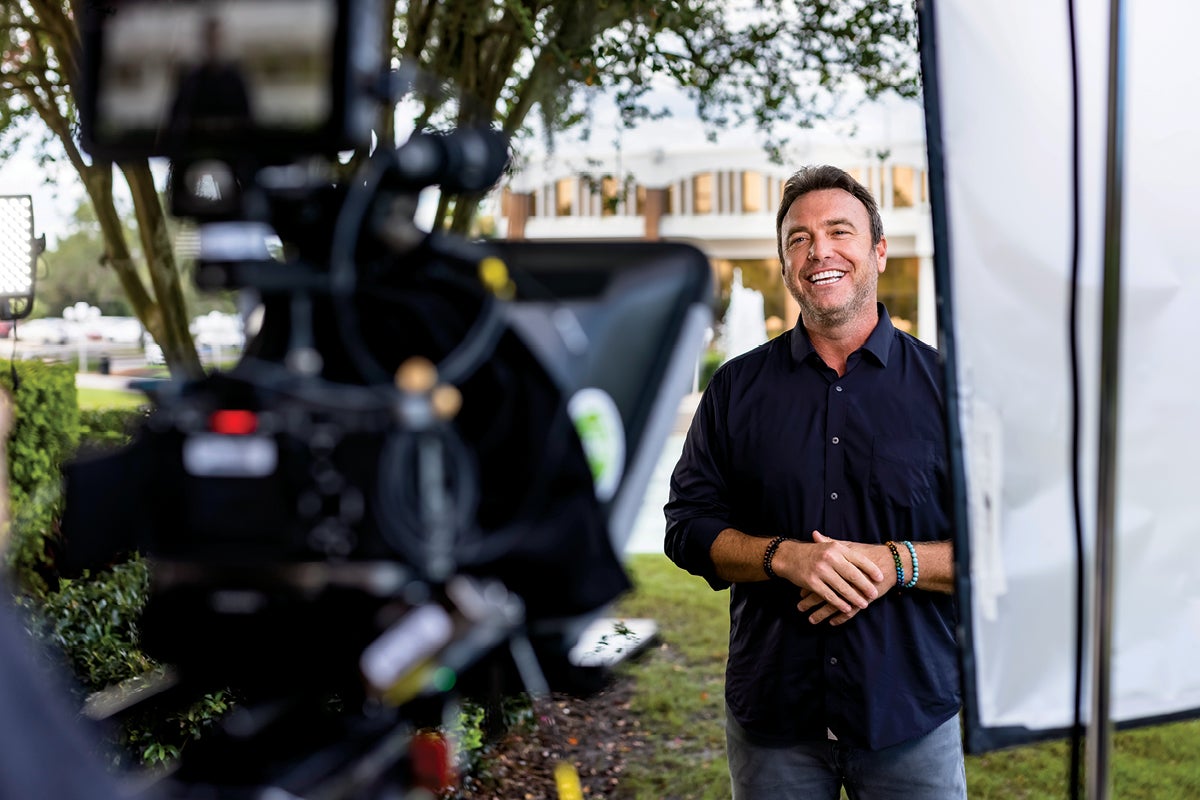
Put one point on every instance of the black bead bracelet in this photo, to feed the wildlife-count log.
(770, 554)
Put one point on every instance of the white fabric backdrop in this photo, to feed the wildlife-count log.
(1004, 73)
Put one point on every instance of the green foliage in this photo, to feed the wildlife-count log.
(42, 67)
(109, 427)
(154, 739)
(89, 624)
(92, 622)
(710, 360)
(45, 434)
(780, 66)
(468, 733)
(74, 270)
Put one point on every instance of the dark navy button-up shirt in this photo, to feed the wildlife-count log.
(781, 446)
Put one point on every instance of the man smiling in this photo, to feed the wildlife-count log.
(813, 484)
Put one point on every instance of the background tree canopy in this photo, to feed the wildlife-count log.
(73, 270)
(513, 64)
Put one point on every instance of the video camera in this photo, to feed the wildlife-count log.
(423, 471)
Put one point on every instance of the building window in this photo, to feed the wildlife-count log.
(564, 191)
(903, 183)
(898, 292)
(752, 192)
(669, 200)
(702, 193)
(640, 201)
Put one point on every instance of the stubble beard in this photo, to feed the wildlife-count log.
(836, 316)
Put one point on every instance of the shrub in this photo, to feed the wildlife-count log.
(151, 737)
(92, 622)
(45, 433)
(709, 361)
(106, 428)
(89, 624)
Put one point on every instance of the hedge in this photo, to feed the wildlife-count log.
(45, 434)
(89, 624)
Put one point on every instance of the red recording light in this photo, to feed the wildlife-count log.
(233, 421)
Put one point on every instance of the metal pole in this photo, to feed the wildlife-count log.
(1099, 741)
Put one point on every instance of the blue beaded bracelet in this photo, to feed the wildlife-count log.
(912, 551)
(899, 563)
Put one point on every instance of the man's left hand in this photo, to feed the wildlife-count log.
(819, 611)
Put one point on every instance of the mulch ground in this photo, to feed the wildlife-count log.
(597, 735)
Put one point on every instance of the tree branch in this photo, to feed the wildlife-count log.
(64, 34)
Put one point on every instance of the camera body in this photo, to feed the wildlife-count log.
(389, 494)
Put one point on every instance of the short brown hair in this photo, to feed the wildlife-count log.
(816, 178)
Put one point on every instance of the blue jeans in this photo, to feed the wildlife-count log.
(927, 768)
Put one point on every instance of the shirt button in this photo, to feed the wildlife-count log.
(835, 440)
(838, 388)
(833, 495)
(833, 661)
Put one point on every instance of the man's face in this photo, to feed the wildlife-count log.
(830, 265)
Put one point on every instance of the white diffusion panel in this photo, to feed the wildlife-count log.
(999, 97)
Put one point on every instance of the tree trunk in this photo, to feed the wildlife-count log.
(173, 334)
(97, 181)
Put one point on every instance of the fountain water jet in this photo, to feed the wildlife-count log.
(745, 322)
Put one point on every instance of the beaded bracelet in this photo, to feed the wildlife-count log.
(770, 554)
(899, 563)
(912, 551)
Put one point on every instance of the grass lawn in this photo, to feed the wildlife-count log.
(91, 399)
(679, 701)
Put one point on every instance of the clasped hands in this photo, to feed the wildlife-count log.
(837, 579)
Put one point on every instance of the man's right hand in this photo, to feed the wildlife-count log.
(844, 577)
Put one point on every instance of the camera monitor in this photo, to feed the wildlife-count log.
(216, 78)
(620, 325)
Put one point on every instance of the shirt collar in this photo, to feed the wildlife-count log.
(878, 344)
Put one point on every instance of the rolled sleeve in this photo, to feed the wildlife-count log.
(698, 509)
(689, 543)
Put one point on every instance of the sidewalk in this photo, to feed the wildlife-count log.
(94, 380)
(687, 410)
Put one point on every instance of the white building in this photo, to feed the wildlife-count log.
(723, 199)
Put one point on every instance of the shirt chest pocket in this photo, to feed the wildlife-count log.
(903, 471)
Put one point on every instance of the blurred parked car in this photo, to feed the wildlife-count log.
(215, 329)
(154, 353)
(119, 330)
(43, 330)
